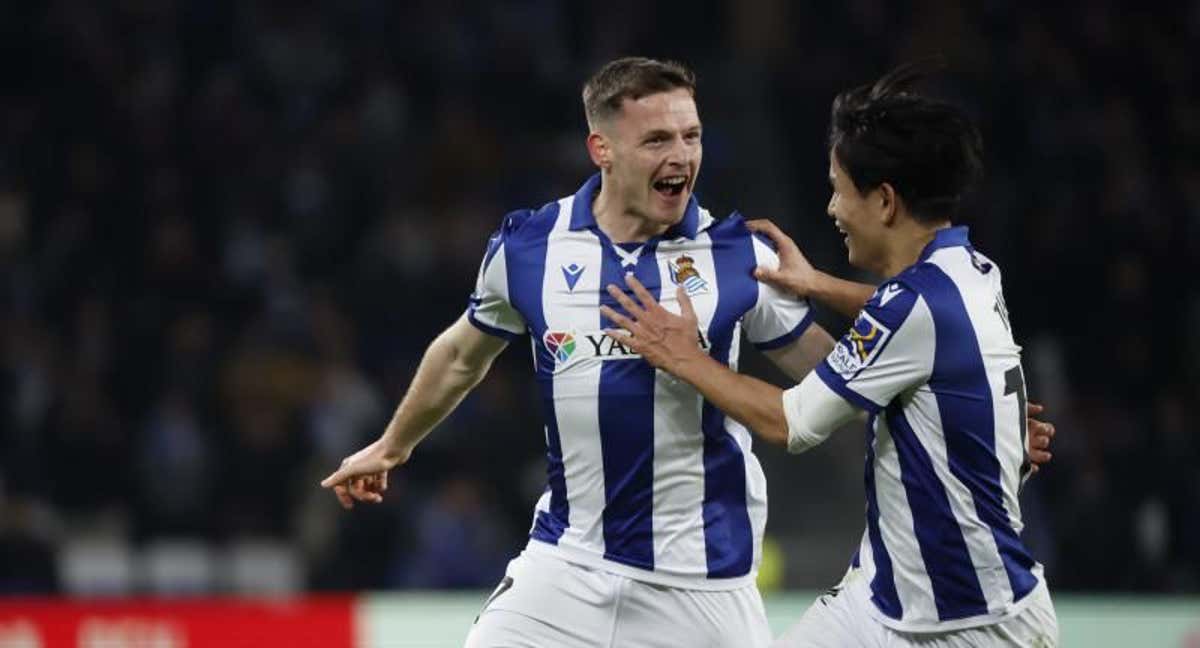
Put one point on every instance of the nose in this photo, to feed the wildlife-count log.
(832, 206)
(678, 153)
(681, 152)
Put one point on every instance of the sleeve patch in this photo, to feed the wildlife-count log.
(858, 348)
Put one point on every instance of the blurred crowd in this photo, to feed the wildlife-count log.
(229, 229)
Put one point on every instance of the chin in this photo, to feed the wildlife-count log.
(668, 212)
(853, 259)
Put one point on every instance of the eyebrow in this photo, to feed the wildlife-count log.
(657, 132)
(663, 132)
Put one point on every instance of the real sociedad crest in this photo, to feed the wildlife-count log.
(684, 273)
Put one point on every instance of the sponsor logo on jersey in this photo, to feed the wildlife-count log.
(889, 291)
(684, 273)
(859, 347)
(572, 273)
(560, 344)
(569, 347)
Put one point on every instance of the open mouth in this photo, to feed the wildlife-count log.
(671, 185)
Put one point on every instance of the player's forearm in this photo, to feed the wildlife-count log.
(445, 376)
(804, 354)
(845, 297)
(756, 404)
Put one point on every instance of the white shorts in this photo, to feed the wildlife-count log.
(843, 618)
(545, 602)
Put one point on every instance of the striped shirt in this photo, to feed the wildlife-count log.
(644, 477)
(932, 360)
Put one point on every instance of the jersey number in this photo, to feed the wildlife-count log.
(1014, 383)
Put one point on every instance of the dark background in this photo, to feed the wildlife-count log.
(229, 229)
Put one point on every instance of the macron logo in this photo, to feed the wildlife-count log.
(890, 291)
(572, 273)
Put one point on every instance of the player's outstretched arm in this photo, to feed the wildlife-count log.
(804, 354)
(668, 341)
(797, 276)
(455, 362)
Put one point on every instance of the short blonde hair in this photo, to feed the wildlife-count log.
(632, 77)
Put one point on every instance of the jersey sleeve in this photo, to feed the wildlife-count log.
(777, 317)
(489, 308)
(888, 349)
(813, 412)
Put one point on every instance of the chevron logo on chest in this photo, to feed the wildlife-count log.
(572, 273)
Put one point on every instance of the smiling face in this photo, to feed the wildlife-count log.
(861, 219)
(651, 151)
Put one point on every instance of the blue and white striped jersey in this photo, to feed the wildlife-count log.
(645, 478)
(932, 360)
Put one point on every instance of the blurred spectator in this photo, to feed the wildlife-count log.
(459, 541)
(175, 470)
(26, 547)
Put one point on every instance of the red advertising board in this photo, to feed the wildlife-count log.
(181, 623)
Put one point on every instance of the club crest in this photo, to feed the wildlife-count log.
(684, 273)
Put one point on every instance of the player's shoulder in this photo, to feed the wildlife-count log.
(894, 301)
(949, 273)
(733, 228)
(919, 277)
(733, 225)
(983, 263)
(525, 222)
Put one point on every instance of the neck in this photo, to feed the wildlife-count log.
(910, 241)
(619, 223)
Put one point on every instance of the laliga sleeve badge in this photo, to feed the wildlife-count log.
(859, 347)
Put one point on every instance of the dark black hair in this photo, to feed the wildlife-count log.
(632, 77)
(929, 151)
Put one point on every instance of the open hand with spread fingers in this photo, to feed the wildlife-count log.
(664, 339)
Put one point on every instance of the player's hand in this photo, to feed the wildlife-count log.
(1038, 438)
(363, 476)
(794, 274)
(662, 338)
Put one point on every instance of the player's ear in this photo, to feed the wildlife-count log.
(599, 150)
(887, 204)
